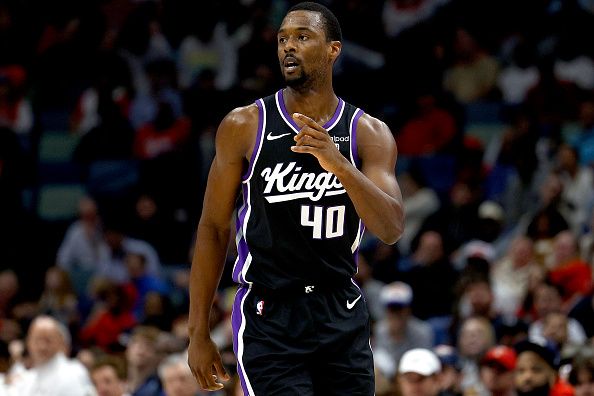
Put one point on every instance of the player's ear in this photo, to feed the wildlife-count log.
(334, 50)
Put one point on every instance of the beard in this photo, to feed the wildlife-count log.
(296, 82)
(541, 390)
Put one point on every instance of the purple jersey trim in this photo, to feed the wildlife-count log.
(242, 246)
(261, 114)
(236, 322)
(356, 117)
(290, 120)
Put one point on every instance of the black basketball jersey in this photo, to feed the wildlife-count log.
(296, 224)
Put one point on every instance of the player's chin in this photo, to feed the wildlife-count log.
(294, 80)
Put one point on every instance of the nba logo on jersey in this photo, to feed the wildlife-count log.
(260, 307)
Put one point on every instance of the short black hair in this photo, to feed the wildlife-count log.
(331, 25)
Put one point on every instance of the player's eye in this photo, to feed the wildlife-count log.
(303, 37)
(282, 40)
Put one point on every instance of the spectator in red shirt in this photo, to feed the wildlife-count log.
(113, 316)
(569, 271)
(429, 130)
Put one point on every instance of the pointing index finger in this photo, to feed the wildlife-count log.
(303, 120)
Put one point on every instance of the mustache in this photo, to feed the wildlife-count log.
(291, 57)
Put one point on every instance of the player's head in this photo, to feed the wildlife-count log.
(309, 41)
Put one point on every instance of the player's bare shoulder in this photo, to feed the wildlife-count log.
(373, 132)
(239, 129)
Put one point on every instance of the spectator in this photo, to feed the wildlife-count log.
(142, 358)
(418, 373)
(519, 75)
(142, 282)
(517, 154)
(119, 244)
(9, 288)
(583, 312)
(110, 318)
(548, 220)
(583, 141)
(58, 298)
(568, 271)
(430, 274)
(457, 219)
(111, 139)
(486, 242)
(177, 378)
(578, 187)
(536, 370)
(573, 65)
(109, 376)
(420, 201)
(163, 102)
(209, 46)
(555, 329)
(83, 246)
(586, 242)
(399, 331)
(475, 338)
(514, 275)
(371, 288)
(581, 375)
(547, 299)
(476, 298)
(153, 223)
(140, 41)
(111, 76)
(553, 101)
(165, 134)
(474, 73)
(256, 72)
(430, 130)
(52, 373)
(451, 378)
(16, 112)
(497, 371)
(157, 311)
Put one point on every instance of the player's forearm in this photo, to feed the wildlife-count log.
(207, 267)
(381, 213)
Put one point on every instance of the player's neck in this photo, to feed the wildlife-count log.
(316, 103)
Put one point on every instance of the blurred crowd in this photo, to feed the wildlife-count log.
(108, 110)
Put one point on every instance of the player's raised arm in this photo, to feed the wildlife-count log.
(374, 190)
(235, 136)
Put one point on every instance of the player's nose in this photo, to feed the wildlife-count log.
(290, 45)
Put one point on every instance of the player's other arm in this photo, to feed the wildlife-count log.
(374, 191)
(234, 139)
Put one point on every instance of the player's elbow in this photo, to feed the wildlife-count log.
(393, 227)
(392, 234)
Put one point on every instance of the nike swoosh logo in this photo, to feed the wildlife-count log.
(350, 305)
(270, 136)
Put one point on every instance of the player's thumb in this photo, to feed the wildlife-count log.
(220, 370)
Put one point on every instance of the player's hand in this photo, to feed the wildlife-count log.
(315, 140)
(206, 365)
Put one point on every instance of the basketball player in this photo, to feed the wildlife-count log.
(311, 170)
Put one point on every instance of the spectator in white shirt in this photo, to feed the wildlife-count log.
(52, 373)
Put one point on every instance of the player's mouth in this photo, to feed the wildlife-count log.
(290, 63)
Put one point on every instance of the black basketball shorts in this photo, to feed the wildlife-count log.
(309, 341)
